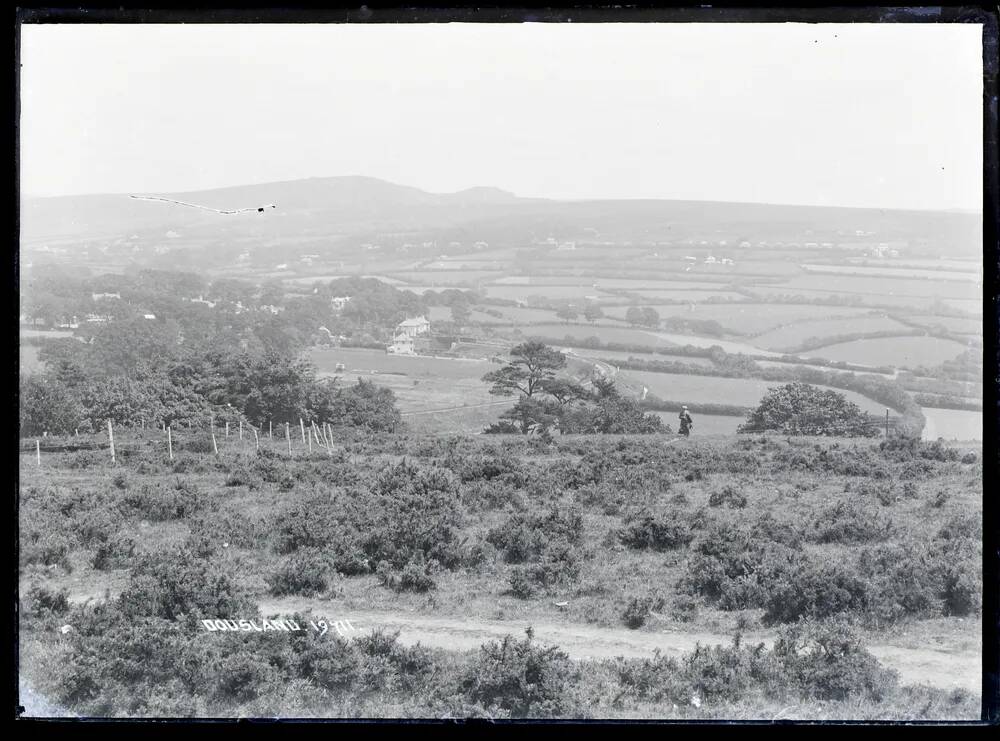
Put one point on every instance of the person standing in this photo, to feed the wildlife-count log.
(686, 422)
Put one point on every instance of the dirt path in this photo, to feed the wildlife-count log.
(939, 668)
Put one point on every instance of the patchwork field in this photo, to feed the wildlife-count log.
(903, 352)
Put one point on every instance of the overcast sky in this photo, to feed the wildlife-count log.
(881, 115)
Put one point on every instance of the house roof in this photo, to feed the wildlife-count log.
(413, 322)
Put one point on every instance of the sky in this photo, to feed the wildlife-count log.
(871, 115)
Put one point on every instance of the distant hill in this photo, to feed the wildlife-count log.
(339, 207)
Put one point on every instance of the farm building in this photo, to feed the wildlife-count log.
(413, 327)
(339, 302)
(99, 296)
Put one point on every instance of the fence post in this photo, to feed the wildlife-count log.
(170, 445)
(227, 428)
(270, 433)
(256, 440)
(288, 439)
(887, 423)
(310, 442)
(302, 427)
(38, 452)
(215, 445)
(111, 438)
(241, 428)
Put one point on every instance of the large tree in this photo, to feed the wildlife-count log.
(803, 409)
(531, 366)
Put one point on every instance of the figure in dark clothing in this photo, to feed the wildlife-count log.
(686, 422)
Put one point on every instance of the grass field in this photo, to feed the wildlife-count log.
(952, 324)
(691, 296)
(903, 352)
(521, 293)
(583, 331)
(705, 424)
(953, 424)
(877, 287)
(714, 390)
(624, 533)
(791, 336)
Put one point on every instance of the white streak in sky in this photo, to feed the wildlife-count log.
(259, 209)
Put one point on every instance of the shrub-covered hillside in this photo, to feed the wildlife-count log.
(794, 539)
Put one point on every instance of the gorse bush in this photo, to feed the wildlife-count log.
(522, 678)
(638, 609)
(660, 532)
(850, 521)
(729, 496)
(524, 536)
(303, 572)
(179, 583)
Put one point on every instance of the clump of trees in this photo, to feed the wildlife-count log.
(803, 409)
(547, 400)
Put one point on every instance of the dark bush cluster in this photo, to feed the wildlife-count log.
(521, 678)
(810, 661)
(656, 531)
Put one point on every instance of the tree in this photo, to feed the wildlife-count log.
(460, 313)
(367, 405)
(593, 312)
(528, 415)
(803, 409)
(567, 314)
(531, 365)
(46, 405)
(650, 317)
(634, 315)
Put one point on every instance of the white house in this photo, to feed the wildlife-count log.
(99, 296)
(149, 316)
(339, 302)
(413, 327)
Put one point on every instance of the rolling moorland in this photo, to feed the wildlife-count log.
(878, 292)
(726, 575)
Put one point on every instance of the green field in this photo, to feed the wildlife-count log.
(583, 331)
(953, 424)
(877, 287)
(957, 325)
(902, 352)
(521, 293)
(714, 390)
(791, 336)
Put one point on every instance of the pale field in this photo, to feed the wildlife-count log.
(889, 272)
(901, 352)
(953, 424)
(521, 293)
(794, 334)
(582, 331)
(745, 392)
(952, 324)
(754, 318)
(878, 287)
